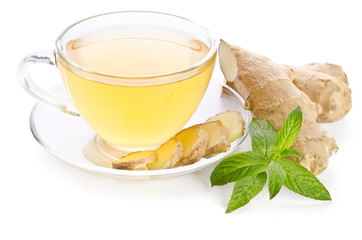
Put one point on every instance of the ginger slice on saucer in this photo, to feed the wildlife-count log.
(233, 121)
(167, 155)
(195, 141)
(135, 160)
(189, 145)
(218, 137)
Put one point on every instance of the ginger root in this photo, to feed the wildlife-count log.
(233, 121)
(269, 93)
(135, 160)
(168, 154)
(195, 142)
(218, 137)
(189, 145)
(332, 94)
(330, 69)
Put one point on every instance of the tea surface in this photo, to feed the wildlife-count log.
(127, 56)
(136, 116)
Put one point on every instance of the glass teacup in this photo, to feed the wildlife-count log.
(135, 77)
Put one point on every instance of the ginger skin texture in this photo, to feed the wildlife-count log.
(330, 69)
(328, 88)
(269, 93)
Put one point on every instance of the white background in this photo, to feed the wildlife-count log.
(44, 198)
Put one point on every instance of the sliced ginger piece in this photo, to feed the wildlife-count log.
(218, 137)
(140, 167)
(167, 155)
(233, 121)
(189, 145)
(135, 160)
(194, 141)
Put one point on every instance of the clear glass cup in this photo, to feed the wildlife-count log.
(127, 111)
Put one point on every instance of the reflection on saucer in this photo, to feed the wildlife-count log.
(92, 153)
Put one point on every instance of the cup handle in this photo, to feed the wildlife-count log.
(31, 87)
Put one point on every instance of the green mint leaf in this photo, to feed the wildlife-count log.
(300, 180)
(263, 136)
(289, 131)
(237, 166)
(290, 153)
(245, 189)
(276, 178)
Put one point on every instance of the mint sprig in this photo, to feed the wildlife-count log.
(263, 136)
(276, 178)
(267, 160)
(238, 166)
(245, 189)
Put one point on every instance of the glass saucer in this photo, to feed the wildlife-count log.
(70, 139)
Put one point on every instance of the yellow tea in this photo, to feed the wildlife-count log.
(125, 100)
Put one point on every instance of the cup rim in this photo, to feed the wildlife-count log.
(62, 54)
